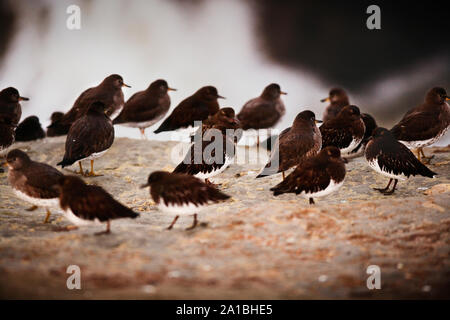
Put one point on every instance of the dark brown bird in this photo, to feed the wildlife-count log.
(181, 194)
(197, 107)
(109, 92)
(345, 131)
(7, 134)
(338, 99)
(89, 137)
(316, 176)
(392, 159)
(370, 124)
(30, 129)
(263, 112)
(300, 141)
(33, 181)
(10, 105)
(425, 124)
(56, 129)
(86, 204)
(147, 107)
(213, 151)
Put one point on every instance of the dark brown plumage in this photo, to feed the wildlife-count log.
(147, 107)
(33, 181)
(109, 92)
(30, 129)
(391, 158)
(181, 194)
(84, 204)
(7, 133)
(338, 100)
(425, 124)
(370, 124)
(197, 107)
(10, 104)
(345, 131)
(316, 176)
(300, 141)
(89, 137)
(56, 129)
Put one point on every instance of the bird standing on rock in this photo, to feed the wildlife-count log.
(392, 159)
(338, 99)
(10, 105)
(89, 137)
(147, 107)
(345, 131)
(263, 112)
(316, 176)
(197, 107)
(33, 181)
(425, 124)
(296, 143)
(30, 129)
(181, 194)
(109, 92)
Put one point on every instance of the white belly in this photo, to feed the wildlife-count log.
(52, 202)
(95, 155)
(375, 166)
(423, 143)
(213, 173)
(78, 221)
(351, 147)
(143, 124)
(332, 187)
(184, 210)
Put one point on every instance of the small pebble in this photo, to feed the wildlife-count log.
(323, 278)
(426, 288)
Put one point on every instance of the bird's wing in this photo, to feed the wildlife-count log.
(333, 135)
(416, 126)
(258, 114)
(41, 179)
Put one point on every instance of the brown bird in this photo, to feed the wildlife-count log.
(197, 107)
(345, 131)
(147, 107)
(109, 92)
(425, 124)
(338, 99)
(55, 129)
(89, 137)
(263, 112)
(30, 129)
(392, 159)
(181, 194)
(370, 124)
(300, 141)
(33, 181)
(316, 176)
(10, 105)
(87, 204)
(7, 137)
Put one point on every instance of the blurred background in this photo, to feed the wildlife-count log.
(236, 45)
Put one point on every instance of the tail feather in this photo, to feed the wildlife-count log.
(268, 170)
(165, 126)
(424, 171)
(65, 162)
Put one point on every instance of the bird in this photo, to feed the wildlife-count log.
(263, 112)
(147, 107)
(224, 119)
(370, 124)
(181, 194)
(10, 104)
(30, 129)
(214, 150)
(197, 107)
(303, 139)
(33, 181)
(7, 137)
(393, 159)
(56, 129)
(345, 131)
(85, 204)
(109, 91)
(316, 176)
(89, 137)
(425, 124)
(338, 99)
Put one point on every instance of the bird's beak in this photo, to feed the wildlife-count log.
(282, 92)
(171, 89)
(125, 85)
(220, 97)
(318, 121)
(447, 98)
(144, 186)
(5, 164)
(325, 99)
(235, 121)
(23, 99)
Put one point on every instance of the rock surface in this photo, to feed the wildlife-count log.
(255, 246)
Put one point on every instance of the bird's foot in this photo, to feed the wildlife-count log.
(102, 232)
(382, 190)
(92, 174)
(65, 229)
(32, 208)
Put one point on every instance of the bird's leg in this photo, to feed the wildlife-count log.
(47, 218)
(257, 139)
(92, 173)
(143, 136)
(282, 173)
(81, 168)
(194, 224)
(173, 222)
(383, 190)
(427, 159)
(311, 201)
(107, 231)
(387, 193)
(32, 208)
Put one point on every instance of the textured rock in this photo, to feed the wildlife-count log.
(253, 246)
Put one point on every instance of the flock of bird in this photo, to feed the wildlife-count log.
(318, 154)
